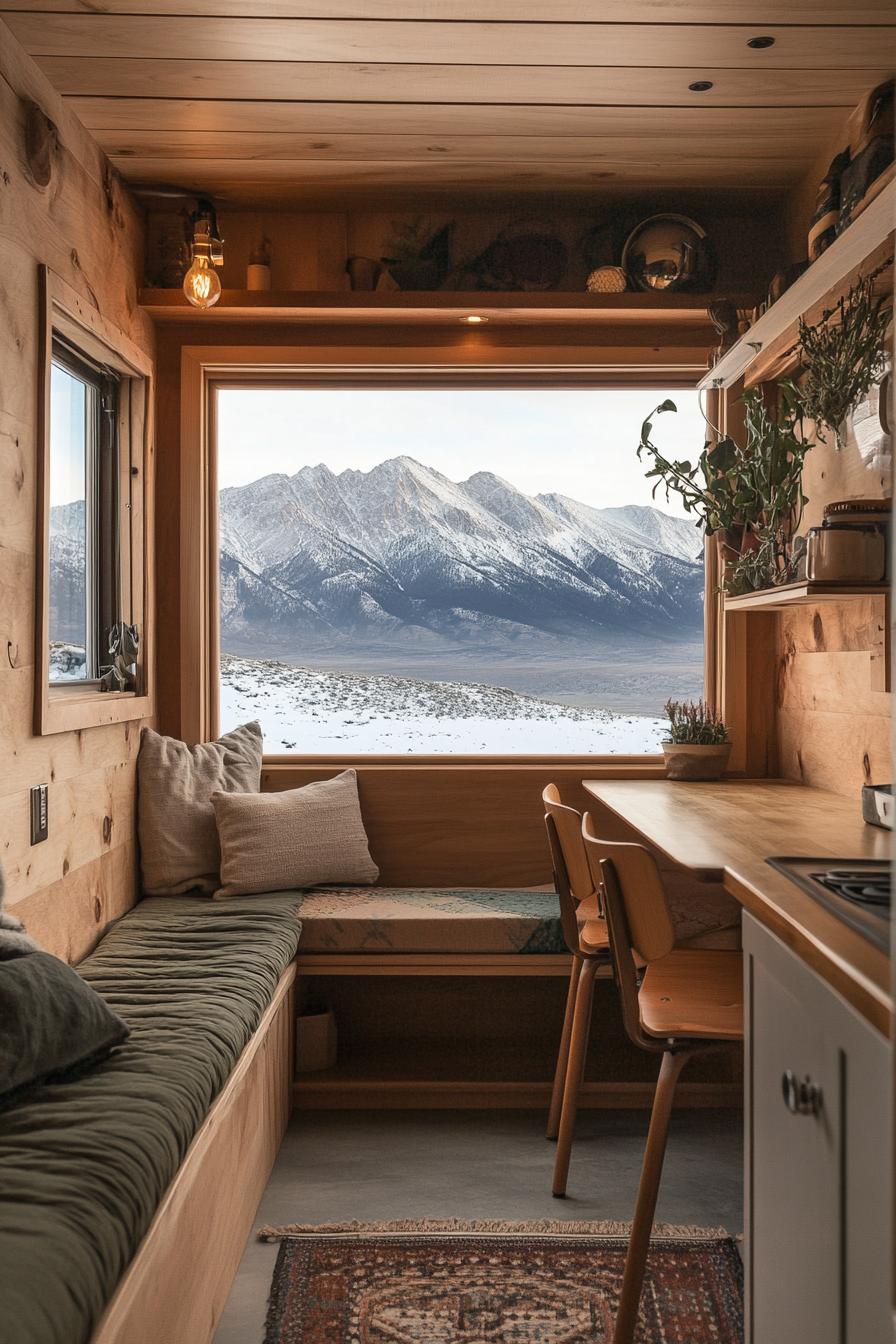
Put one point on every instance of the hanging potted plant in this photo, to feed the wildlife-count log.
(698, 745)
(749, 495)
(844, 356)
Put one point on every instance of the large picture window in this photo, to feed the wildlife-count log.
(430, 570)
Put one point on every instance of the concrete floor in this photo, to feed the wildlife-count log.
(336, 1166)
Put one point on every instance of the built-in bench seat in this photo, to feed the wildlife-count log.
(469, 921)
(440, 921)
(84, 1164)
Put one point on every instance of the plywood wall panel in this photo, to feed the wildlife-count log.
(833, 725)
(84, 226)
(70, 916)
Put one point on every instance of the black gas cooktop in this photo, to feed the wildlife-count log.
(857, 891)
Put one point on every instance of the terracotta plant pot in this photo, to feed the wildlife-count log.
(687, 760)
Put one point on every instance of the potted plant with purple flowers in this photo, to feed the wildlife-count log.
(698, 746)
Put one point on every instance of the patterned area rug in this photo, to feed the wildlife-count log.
(497, 1283)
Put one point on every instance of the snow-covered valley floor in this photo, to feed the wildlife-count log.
(312, 712)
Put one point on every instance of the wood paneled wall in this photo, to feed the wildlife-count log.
(463, 825)
(833, 722)
(84, 226)
(833, 725)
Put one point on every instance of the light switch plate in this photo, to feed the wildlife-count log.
(39, 813)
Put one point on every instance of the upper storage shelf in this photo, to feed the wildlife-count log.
(767, 350)
(236, 305)
(804, 593)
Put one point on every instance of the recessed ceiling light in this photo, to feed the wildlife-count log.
(474, 319)
(700, 85)
(760, 43)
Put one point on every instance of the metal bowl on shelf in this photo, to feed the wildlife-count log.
(669, 252)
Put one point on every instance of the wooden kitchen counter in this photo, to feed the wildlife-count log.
(724, 832)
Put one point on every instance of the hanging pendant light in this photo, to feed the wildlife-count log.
(202, 285)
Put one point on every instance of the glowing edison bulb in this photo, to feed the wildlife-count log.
(201, 284)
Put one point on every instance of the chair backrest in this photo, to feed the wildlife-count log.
(568, 824)
(638, 919)
(637, 878)
(572, 872)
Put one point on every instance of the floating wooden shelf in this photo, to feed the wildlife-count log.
(237, 305)
(806, 594)
(803, 594)
(768, 349)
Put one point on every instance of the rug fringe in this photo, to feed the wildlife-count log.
(462, 1227)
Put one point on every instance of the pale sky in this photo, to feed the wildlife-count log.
(580, 443)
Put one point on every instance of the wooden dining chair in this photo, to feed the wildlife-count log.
(585, 935)
(688, 1001)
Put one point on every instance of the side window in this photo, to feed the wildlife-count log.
(94, 467)
(84, 559)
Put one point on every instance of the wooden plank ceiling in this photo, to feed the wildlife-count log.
(318, 99)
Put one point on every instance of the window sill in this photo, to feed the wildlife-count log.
(596, 767)
(63, 711)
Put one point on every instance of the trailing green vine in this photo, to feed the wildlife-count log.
(752, 493)
(844, 355)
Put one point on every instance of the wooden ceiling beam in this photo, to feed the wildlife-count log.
(296, 81)
(551, 174)
(777, 12)
(184, 115)
(582, 149)
(135, 36)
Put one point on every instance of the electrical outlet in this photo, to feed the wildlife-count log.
(39, 813)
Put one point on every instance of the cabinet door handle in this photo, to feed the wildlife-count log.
(800, 1098)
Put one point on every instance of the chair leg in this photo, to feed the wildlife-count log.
(563, 1052)
(648, 1189)
(575, 1068)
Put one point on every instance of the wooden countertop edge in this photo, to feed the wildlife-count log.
(864, 994)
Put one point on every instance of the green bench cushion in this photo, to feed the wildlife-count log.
(410, 919)
(83, 1164)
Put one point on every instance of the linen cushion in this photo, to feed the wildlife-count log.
(176, 821)
(54, 1024)
(297, 838)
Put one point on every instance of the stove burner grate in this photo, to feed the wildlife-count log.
(864, 887)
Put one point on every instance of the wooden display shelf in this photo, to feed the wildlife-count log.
(806, 594)
(236, 305)
(768, 349)
(803, 593)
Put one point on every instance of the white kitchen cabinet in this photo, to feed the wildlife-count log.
(818, 1234)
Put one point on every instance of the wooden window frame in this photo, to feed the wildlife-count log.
(206, 369)
(64, 313)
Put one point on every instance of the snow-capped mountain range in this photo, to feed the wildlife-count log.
(67, 560)
(401, 552)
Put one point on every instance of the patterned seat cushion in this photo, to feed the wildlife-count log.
(458, 920)
(411, 919)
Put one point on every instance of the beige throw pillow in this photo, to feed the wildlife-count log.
(176, 821)
(297, 838)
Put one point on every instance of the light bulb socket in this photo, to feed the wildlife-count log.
(207, 241)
